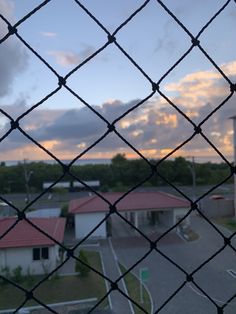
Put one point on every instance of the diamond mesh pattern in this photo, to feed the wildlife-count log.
(155, 88)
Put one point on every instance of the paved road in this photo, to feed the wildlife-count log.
(165, 278)
(119, 303)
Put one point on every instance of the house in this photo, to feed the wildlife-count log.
(91, 210)
(27, 247)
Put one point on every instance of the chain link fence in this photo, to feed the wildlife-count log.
(155, 89)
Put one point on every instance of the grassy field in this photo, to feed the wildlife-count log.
(58, 289)
(227, 222)
(133, 287)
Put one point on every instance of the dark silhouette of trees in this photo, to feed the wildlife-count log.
(119, 175)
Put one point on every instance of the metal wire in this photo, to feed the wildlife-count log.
(110, 127)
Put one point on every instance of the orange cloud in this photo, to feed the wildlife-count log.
(198, 88)
(170, 119)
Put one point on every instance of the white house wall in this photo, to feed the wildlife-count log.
(179, 213)
(166, 217)
(84, 223)
(14, 257)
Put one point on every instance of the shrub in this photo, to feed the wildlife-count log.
(64, 210)
(5, 271)
(29, 278)
(17, 274)
(82, 269)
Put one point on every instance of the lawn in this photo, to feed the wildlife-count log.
(133, 287)
(227, 222)
(58, 289)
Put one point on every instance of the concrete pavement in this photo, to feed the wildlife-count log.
(165, 278)
(119, 303)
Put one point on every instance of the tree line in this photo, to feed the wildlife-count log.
(120, 174)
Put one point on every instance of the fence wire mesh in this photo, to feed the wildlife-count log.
(155, 88)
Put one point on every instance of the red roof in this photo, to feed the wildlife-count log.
(25, 235)
(133, 201)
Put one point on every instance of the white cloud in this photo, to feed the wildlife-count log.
(69, 58)
(48, 34)
(64, 58)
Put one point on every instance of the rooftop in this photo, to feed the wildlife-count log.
(133, 201)
(23, 234)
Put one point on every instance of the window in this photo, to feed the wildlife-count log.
(44, 253)
(36, 254)
(40, 253)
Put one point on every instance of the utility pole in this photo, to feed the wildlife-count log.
(234, 163)
(193, 172)
(27, 175)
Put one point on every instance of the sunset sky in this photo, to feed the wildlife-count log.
(64, 35)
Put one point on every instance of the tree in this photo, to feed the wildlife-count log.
(80, 267)
(64, 210)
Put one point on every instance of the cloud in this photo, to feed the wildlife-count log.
(155, 128)
(13, 57)
(68, 58)
(65, 58)
(48, 34)
(198, 88)
(168, 45)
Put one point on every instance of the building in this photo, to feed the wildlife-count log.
(89, 211)
(6, 210)
(73, 186)
(44, 213)
(27, 247)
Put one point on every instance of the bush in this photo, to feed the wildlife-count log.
(64, 210)
(29, 278)
(5, 271)
(82, 269)
(17, 274)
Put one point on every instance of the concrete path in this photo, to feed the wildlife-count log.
(119, 303)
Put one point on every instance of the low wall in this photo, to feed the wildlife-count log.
(217, 208)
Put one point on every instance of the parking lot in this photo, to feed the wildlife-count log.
(165, 278)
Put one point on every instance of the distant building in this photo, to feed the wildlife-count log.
(76, 186)
(89, 211)
(6, 210)
(25, 246)
(60, 185)
(44, 213)
(73, 186)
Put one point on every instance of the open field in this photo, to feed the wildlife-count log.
(227, 222)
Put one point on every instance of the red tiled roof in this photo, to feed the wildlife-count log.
(25, 235)
(133, 201)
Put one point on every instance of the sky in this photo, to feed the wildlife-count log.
(64, 35)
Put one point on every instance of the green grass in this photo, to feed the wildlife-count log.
(133, 287)
(58, 289)
(227, 222)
